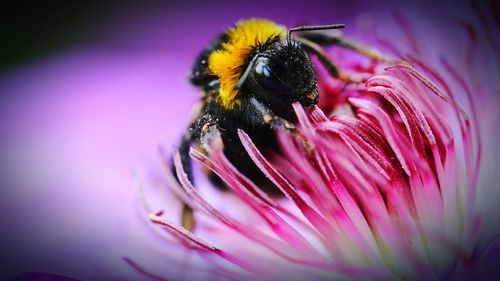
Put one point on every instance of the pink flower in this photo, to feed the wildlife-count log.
(390, 191)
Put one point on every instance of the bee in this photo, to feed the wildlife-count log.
(250, 76)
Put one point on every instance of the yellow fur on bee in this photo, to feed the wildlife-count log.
(227, 63)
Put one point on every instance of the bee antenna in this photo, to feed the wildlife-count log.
(310, 28)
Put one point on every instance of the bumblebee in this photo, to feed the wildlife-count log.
(250, 76)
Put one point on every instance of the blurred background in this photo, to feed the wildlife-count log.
(89, 89)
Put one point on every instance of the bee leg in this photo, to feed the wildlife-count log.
(199, 131)
(187, 216)
(330, 66)
(262, 115)
(193, 134)
(322, 39)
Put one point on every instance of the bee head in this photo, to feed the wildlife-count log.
(281, 73)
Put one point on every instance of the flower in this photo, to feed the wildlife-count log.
(388, 192)
(79, 125)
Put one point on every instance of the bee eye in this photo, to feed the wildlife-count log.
(266, 77)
